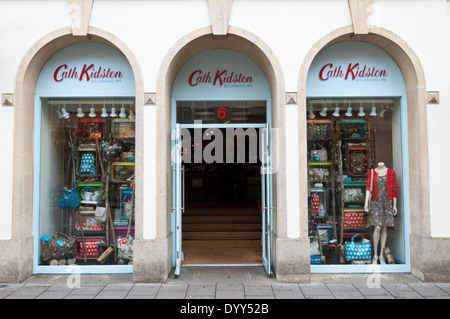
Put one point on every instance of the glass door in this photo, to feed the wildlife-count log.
(266, 198)
(178, 196)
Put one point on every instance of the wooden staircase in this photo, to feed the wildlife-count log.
(222, 236)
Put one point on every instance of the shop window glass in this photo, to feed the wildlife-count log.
(346, 139)
(223, 112)
(89, 144)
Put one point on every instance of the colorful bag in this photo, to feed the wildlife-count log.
(319, 154)
(69, 198)
(60, 246)
(319, 129)
(355, 219)
(358, 251)
(87, 164)
(125, 248)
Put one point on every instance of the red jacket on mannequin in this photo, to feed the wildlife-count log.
(391, 183)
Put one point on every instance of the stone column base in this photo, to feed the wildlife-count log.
(292, 261)
(430, 259)
(151, 261)
(16, 260)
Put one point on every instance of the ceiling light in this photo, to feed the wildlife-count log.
(64, 113)
(80, 112)
(349, 111)
(336, 111)
(122, 112)
(92, 113)
(361, 112)
(374, 111)
(113, 112)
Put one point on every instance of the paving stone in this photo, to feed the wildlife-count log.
(372, 292)
(29, 291)
(288, 294)
(55, 294)
(229, 286)
(86, 296)
(230, 294)
(444, 286)
(201, 290)
(259, 296)
(258, 290)
(112, 294)
(87, 289)
(119, 286)
(429, 290)
(171, 294)
(402, 291)
(145, 290)
(315, 290)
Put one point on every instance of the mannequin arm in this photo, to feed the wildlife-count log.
(366, 203)
(394, 203)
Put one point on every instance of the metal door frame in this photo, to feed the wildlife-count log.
(178, 189)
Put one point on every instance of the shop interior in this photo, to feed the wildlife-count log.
(86, 213)
(222, 217)
(346, 138)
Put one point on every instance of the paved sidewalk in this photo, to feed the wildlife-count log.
(226, 283)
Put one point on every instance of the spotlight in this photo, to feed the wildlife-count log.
(113, 112)
(310, 112)
(324, 111)
(374, 111)
(349, 111)
(92, 113)
(383, 110)
(336, 111)
(131, 114)
(80, 112)
(361, 112)
(122, 113)
(64, 113)
(104, 113)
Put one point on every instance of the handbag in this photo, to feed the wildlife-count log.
(69, 198)
(319, 154)
(87, 164)
(358, 251)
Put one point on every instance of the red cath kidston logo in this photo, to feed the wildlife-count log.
(87, 72)
(220, 78)
(351, 71)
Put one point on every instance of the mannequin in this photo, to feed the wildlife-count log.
(381, 203)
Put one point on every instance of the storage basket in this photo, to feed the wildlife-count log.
(92, 247)
(121, 171)
(91, 128)
(320, 171)
(352, 128)
(60, 246)
(319, 129)
(123, 128)
(355, 218)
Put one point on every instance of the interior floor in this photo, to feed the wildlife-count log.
(222, 217)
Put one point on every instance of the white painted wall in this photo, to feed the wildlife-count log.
(289, 28)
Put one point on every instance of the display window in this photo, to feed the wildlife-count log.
(355, 201)
(87, 153)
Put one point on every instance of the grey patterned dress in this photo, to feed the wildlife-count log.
(381, 210)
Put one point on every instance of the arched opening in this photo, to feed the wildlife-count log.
(252, 47)
(414, 137)
(24, 115)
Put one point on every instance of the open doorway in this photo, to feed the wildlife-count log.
(222, 217)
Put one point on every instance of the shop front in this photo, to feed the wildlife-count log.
(222, 163)
(84, 162)
(358, 162)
